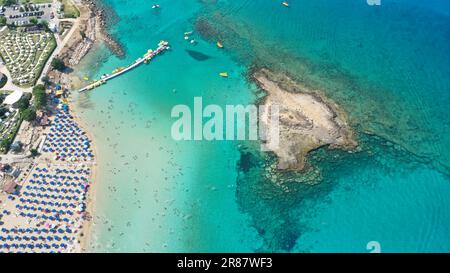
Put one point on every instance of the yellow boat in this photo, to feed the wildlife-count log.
(219, 45)
(224, 74)
(118, 70)
(286, 4)
(86, 78)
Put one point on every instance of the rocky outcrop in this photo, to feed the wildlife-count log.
(90, 28)
(307, 120)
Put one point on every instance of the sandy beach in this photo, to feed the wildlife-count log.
(92, 23)
(50, 210)
(71, 49)
(85, 234)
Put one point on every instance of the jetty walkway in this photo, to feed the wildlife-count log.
(162, 46)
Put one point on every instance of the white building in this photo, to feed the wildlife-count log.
(53, 26)
(13, 98)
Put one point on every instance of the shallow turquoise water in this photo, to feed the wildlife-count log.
(387, 66)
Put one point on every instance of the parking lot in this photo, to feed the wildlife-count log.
(21, 16)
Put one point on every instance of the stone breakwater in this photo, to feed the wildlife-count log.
(113, 44)
(90, 27)
(307, 120)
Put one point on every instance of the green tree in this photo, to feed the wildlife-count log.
(38, 88)
(27, 96)
(5, 144)
(58, 64)
(3, 80)
(44, 24)
(46, 80)
(2, 21)
(3, 111)
(22, 104)
(33, 20)
(34, 152)
(40, 97)
(28, 114)
(10, 2)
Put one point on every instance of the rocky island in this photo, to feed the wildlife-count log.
(307, 120)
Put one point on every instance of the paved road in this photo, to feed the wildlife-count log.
(10, 159)
(60, 45)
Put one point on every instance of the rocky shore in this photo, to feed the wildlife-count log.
(89, 28)
(112, 43)
(307, 120)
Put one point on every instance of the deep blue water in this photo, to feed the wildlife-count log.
(388, 67)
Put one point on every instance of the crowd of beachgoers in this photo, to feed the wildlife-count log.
(44, 198)
(47, 211)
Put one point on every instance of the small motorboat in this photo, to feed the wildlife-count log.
(219, 45)
(193, 41)
(285, 3)
(156, 6)
(223, 74)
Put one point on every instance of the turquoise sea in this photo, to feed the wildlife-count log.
(388, 66)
